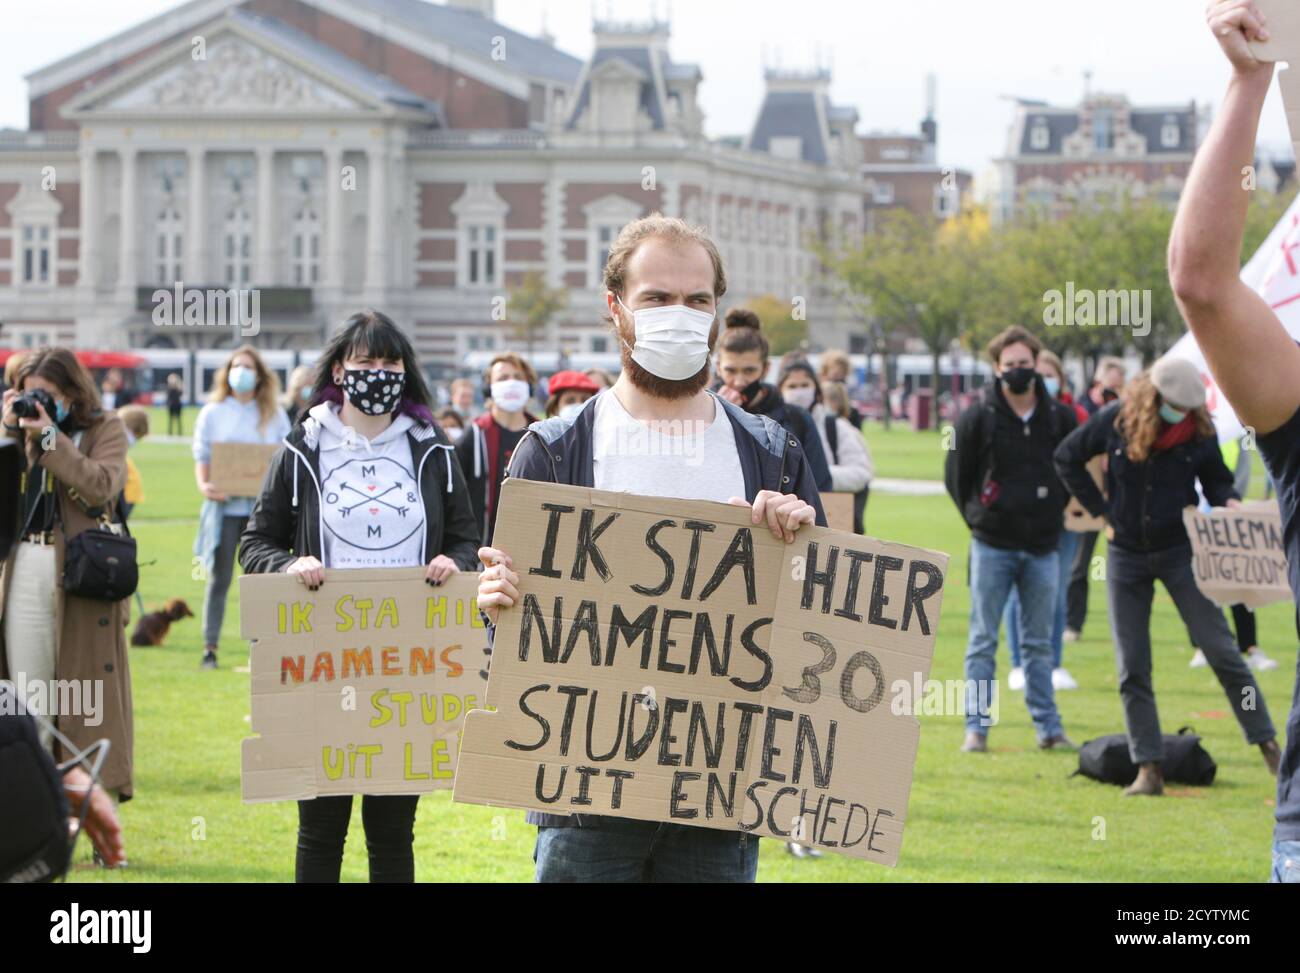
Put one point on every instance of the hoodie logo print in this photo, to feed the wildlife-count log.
(374, 502)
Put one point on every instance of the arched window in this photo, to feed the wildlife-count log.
(306, 247)
(238, 247)
(169, 238)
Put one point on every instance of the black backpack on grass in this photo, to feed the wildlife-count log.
(1185, 762)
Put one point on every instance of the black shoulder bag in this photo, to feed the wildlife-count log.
(100, 563)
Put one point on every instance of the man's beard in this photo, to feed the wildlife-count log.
(652, 385)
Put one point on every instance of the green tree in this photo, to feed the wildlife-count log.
(532, 306)
(784, 331)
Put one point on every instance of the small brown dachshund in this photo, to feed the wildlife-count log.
(151, 629)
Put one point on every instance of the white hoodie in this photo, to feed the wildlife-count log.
(371, 512)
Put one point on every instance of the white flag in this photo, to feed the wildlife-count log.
(1273, 273)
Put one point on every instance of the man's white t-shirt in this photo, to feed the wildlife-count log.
(686, 459)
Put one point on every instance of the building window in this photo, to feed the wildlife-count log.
(882, 194)
(945, 201)
(306, 247)
(481, 254)
(599, 345)
(170, 240)
(37, 254)
(1040, 136)
(1103, 131)
(1171, 134)
(238, 248)
(606, 234)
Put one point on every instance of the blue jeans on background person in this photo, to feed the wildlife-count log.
(1286, 862)
(625, 850)
(1011, 617)
(994, 574)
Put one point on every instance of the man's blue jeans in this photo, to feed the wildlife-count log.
(994, 574)
(624, 850)
(1286, 862)
(1069, 543)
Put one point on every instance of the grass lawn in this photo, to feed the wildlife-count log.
(1011, 815)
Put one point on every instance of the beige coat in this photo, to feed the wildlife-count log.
(91, 634)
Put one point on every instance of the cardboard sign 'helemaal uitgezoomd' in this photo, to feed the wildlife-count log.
(359, 687)
(671, 662)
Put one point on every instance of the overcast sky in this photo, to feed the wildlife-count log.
(1155, 51)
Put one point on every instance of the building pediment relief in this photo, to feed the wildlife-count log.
(235, 74)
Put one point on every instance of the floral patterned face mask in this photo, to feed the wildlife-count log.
(375, 391)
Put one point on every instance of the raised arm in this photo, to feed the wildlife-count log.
(1254, 360)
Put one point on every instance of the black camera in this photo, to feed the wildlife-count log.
(25, 406)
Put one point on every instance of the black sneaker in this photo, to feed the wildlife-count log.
(209, 660)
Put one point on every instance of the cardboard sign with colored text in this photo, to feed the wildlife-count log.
(238, 469)
(1237, 554)
(669, 661)
(359, 687)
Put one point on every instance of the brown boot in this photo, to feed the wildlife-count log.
(1272, 755)
(1150, 782)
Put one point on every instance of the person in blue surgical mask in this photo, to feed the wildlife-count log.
(243, 408)
(1160, 440)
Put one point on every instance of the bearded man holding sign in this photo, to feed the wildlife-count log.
(1255, 362)
(658, 432)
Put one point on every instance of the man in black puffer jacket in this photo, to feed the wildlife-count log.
(999, 474)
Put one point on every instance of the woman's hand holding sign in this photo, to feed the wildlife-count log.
(309, 571)
(440, 569)
(496, 583)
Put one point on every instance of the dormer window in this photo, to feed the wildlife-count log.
(1103, 131)
(1171, 133)
(1040, 136)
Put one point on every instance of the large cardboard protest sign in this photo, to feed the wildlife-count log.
(1283, 44)
(671, 662)
(1237, 554)
(238, 469)
(359, 687)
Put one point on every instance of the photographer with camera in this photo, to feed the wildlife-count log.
(74, 460)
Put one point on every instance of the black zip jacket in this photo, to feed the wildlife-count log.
(559, 450)
(800, 422)
(1146, 500)
(1000, 475)
(285, 523)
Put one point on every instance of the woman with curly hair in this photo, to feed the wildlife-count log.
(1160, 440)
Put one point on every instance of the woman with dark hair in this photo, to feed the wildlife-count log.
(742, 361)
(370, 424)
(243, 408)
(1159, 440)
(75, 468)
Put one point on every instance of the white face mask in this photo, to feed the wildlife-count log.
(571, 410)
(454, 433)
(510, 395)
(671, 342)
(802, 397)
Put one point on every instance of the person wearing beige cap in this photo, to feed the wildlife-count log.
(1159, 440)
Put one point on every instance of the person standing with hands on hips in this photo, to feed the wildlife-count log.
(369, 423)
(658, 432)
(244, 408)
